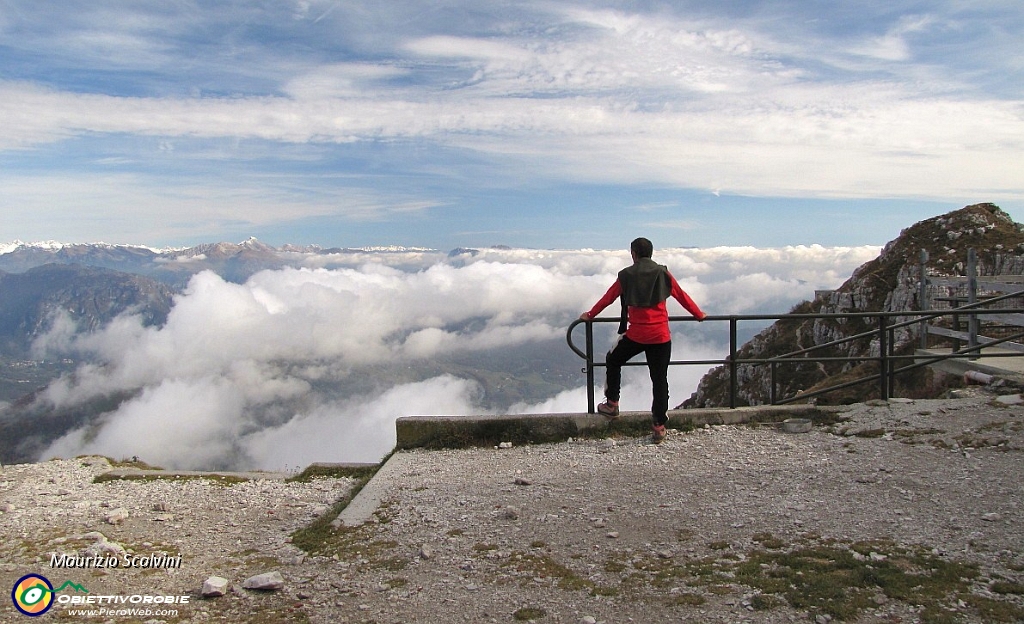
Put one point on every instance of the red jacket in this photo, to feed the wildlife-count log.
(648, 325)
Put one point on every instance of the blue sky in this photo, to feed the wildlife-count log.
(531, 124)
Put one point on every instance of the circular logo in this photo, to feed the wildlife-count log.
(32, 595)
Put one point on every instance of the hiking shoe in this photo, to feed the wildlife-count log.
(658, 434)
(609, 409)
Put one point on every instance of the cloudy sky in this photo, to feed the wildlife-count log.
(547, 124)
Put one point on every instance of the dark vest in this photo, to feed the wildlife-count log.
(644, 284)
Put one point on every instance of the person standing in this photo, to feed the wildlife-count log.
(644, 289)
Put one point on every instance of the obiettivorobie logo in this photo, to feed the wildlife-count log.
(33, 594)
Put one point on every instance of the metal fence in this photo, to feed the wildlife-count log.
(998, 292)
(884, 327)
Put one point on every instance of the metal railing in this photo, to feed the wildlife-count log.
(885, 325)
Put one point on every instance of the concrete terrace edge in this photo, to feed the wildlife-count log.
(434, 432)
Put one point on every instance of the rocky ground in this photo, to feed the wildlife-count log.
(906, 511)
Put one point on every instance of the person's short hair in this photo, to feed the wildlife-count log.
(642, 247)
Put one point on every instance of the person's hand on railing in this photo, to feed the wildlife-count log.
(585, 316)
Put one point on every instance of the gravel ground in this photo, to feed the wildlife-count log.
(907, 511)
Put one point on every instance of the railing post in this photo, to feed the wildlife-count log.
(883, 359)
(733, 382)
(591, 404)
(972, 298)
(922, 298)
(892, 362)
(774, 394)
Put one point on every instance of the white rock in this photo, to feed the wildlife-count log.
(215, 586)
(1009, 399)
(268, 581)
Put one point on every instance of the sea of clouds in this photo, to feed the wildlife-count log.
(241, 375)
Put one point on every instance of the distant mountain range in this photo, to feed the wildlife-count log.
(233, 262)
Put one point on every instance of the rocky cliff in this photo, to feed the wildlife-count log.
(888, 283)
(90, 297)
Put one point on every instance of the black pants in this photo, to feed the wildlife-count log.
(658, 357)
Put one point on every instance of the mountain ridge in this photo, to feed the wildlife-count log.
(889, 283)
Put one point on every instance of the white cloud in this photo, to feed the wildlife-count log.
(893, 45)
(341, 80)
(359, 429)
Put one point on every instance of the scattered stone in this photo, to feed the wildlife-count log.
(511, 513)
(268, 581)
(116, 516)
(215, 587)
(992, 517)
(797, 425)
(1009, 399)
(101, 546)
(426, 552)
(95, 461)
(505, 445)
(522, 481)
